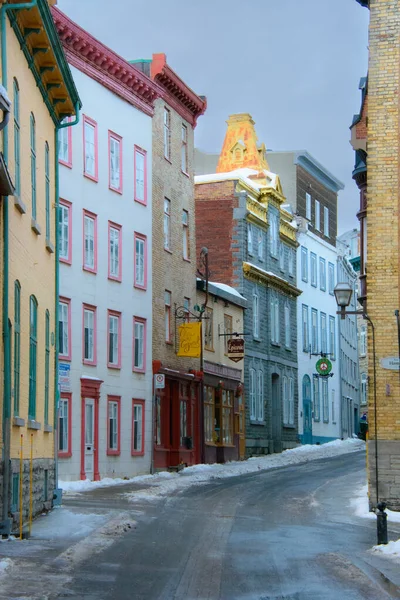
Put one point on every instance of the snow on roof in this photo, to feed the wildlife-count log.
(241, 174)
(269, 273)
(227, 288)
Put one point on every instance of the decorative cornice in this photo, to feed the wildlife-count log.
(288, 233)
(256, 211)
(258, 275)
(105, 66)
(178, 95)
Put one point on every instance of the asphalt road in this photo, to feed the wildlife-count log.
(286, 534)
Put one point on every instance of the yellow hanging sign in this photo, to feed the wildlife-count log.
(189, 340)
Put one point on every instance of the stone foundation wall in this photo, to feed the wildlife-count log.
(388, 473)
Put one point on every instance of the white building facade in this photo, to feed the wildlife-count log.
(319, 396)
(105, 231)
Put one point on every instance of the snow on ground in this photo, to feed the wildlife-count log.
(5, 564)
(164, 483)
(392, 549)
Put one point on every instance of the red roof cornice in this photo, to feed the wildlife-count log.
(188, 104)
(106, 67)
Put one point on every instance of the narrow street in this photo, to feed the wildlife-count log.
(285, 534)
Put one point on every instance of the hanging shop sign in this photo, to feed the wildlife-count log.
(189, 340)
(323, 366)
(236, 349)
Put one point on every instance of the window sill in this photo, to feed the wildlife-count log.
(66, 261)
(66, 164)
(113, 452)
(89, 270)
(185, 174)
(143, 288)
(259, 423)
(115, 367)
(288, 349)
(256, 339)
(35, 227)
(32, 424)
(142, 202)
(133, 453)
(314, 285)
(64, 358)
(326, 421)
(89, 363)
(275, 344)
(91, 177)
(116, 279)
(48, 429)
(19, 205)
(169, 343)
(168, 159)
(186, 259)
(167, 250)
(49, 246)
(64, 454)
(209, 349)
(140, 371)
(117, 190)
(18, 422)
(287, 426)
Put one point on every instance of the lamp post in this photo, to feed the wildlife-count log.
(204, 273)
(343, 293)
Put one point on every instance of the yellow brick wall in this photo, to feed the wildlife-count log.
(383, 209)
(30, 261)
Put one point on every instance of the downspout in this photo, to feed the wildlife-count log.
(6, 524)
(57, 495)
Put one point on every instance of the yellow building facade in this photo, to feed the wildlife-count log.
(39, 86)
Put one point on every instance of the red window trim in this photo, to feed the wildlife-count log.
(116, 452)
(112, 225)
(92, 308)
(68, 453)
(117, 138)
(142, 237)
(68, 163)
(139, 150)
(87, 213)
(67, 204)
(114, 313)
(67, 357)
(94, 177)
(144, 322)
(142, 403)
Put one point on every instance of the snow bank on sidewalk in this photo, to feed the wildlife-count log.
(391, 549)
(161, 484)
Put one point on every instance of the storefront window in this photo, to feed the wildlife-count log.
(208, 413)
(227, 413)
(183, 413)
(158, 420)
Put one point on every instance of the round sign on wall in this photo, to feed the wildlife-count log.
(323, 366)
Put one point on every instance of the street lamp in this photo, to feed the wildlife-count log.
(343, 292)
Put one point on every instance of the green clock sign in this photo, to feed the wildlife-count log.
(323, 366)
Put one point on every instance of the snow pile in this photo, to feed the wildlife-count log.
(164, 483)
(5, 564)
(391, 549)
(361, 507)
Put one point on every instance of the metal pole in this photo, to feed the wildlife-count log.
(31, 488)
(21, 486)
(375, 409)
(397, 313)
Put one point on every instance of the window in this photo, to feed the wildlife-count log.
(158, 427)
(308, 206)
(167, 315)
(316, 398)
(140, 261)
(275, 334)
(363, 340)
(64, 328)
(288, 400)
(113, 425)
(322, 274)
(186, 308)
(114, 251)
(313, 268)
(250, 238)
(288, 336)
(291, 401)
(184, 150)
(185, 235)
(260, 244)
(209, 397)
(137, 427)
(65, 231)
(17, 141)
(140, 179)
(167, 134)
(304, 264)
(227, 331)
(89, 334)
(90, 148)
(33, 165)
(65, 144)
(32, 357)
(253, 398)
(256, 316)
(183, 412)
(332, 338)
(305, 329)
(274, 233)
(331, 277)
(64, 425)
(114, 339)
(139, 349)
(364, 396)
(17, 345)
(325, 401)
(208, 329)
(115, 161)
(317, 215)
(314, 330)
(326, 221)
(89, 241)
(259, 414)
(282, 257)
(46, 367)
(167, 224)
(324, 341)
(291, 257)
(226, 412)
(47, 188)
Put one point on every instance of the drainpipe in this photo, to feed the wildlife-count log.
(5, 525)
(57, 495)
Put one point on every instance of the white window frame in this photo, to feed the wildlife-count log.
(304, 264)
(112, 426)
(291, 262)
(308, 206)
(324, 332)
(313, 269)
(167, 315)
(63, 230)
(288, 331)
(364, 389)
(115, 162)
(317, 215)
(185, 235)
(285, 394)
(363, 340)
(184, 149)
(331, 278)
(256, 314)
(326, 221)
(250, 238)
(291, 401)
(325, 400)
(316, 399)
(90, 149)
(305, 328)
(252, 386)
(260, 244)
(322, 274)
(167, 224)
(260, 397)
(274, 233)
(282, 257)
(314, 330)
(275, 325)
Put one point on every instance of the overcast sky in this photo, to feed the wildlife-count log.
(294, 65)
